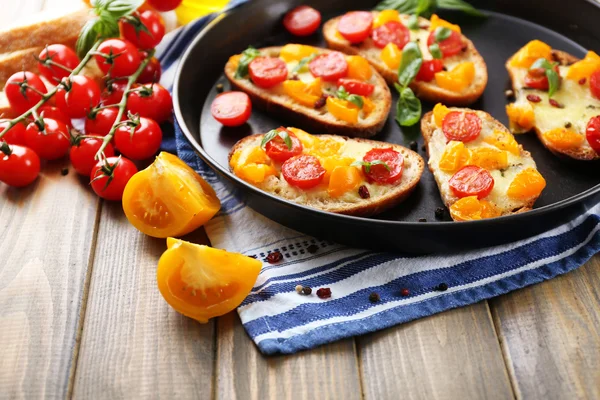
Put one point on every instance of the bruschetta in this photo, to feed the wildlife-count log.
(480, 169)
(331, 173)
(453, 72)
(557, 96)
(318, 89)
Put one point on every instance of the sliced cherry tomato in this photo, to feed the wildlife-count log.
(592, 133)
(428, 70)
(22, 100)
(303, 171)
(267, 72)
(461, 126)
(231, 108)
(15, 135)
(595, 84)
(164, 5)
(151, 101)
(102, 122)
(83, 154)
(152, 72)
(57, 54)
(50, 143)
(536, 78)
(117, 57)
(391, 32)
(379, 173)
(20, 167)
(83, 95)
(354, 86)
(449, 46)
(113, 93)
(471, 181)
(143, 143)
(355, 26)
(109, 177)
(144, 29)
(56, 113)
(330, 66)
(302, 21)
(277, 149)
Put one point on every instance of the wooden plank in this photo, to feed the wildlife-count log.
(327, 372)
(133, 344)
(452, 355)
(550, 334)
(47, 231)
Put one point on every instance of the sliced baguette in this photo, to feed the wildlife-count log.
(382, 197)
(428, 91)
(432, 133)
(316, 120)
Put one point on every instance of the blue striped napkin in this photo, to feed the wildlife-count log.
(279, 320)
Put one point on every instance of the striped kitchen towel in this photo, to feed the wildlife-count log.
(280, 320)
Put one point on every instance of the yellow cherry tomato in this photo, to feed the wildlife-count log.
(169, 198)
(331, 162)
(201, 282)
(341, 109)
(472, 209)
(437, 22)
(563, 138)
(386, 16)
(504, 141)
(521, 116)
(296, 52)
(343, 179)
(528, 184)
(530, 53)
(489, 158)
(439, 113)
(358, 68)
(457, 79)
(391, 55)
(306, 94)
(455, 156)
(308, 141)
(583, 69)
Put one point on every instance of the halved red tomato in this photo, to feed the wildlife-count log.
(391, 32)
(461, 126)
(355, 26)
(277, 149)
(471, 181)
(449, 46)
(378, 172)
(354, 86)
(303, 171)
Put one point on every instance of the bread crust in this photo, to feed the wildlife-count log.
(306, 117)
(366, 207)
(427, 91)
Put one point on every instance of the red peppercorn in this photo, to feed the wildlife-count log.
(363, 192)
(274, 257)
(324, 293)
(582, 81)
(555, 103)
(404, 292)
(534, 98)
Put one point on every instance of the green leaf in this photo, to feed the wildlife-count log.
(116, 8)
(87, 37)
(272, 134)
(402, 6)
(286, 138)
(460, 5)
(343, 94)
(551, 74)
(435, 51)
(302, 65)
(410, 64)
(369, 164)
(413, 23)
(442, 33)
(424, 7)
(408, 108)
(247, 56)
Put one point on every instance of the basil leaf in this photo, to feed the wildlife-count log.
(303, 63)
(357, 100)
(119, 8)
(408, 108)
(413, 23)
(410, 64)
(369, 164)
(460, 5)
(402, 6)
(247, 56)
(553, 81)
(424, 7)
(286, 138)
(442, 33)
(541, 63)
(272, 134)
(435, 51)
(342, 93)
(87, 37)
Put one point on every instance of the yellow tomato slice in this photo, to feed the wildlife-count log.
(168, 198)
(201, 282)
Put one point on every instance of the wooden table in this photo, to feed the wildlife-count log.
(81, 316)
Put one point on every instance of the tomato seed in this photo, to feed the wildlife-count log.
(363, 192)
(274, 257)
(374, 297)
(556, 104)
(404, 292)
(582, 81)
(534, 98)
(324, 293)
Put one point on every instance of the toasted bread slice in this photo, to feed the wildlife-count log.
(274, 100)
(382, 196)
(493, 137)
(428, 91)
(574, 107)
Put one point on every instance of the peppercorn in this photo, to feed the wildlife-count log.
(274, 257)
(299, 289)
(464, 48)
(404, 292)
(423, 148)
(556, 104)
(294, 78)
(324, 293)
(219, 88)
(321, 102)
(363, 192)
(440, 212)
(312, 249)
(582, 81)
(534, 98)
(444, 68)
(509, 94)
(374, 297)
(568, 125)
(442, 287)
(64, 171)
(306, 290)
(413, 145)
(422, 219)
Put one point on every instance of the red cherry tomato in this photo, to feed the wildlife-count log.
(83, 95)
(118, 57)
(267, 72)
(113, 93)
(52, 142)
(151, 101)
(57, 54)
(144, 29)
(303, 171)
(595, 84)
(536, 78)
(302, 21)
(461, 126)
(15, 135)
(379, 173)
(102, 122)
(428, 70)
(278, 150)
(164, 5)
(356, 87)
(152, 72)
(143, 144)
(19, 168)
(592, 133)
(231, 108)
(56, 113)
(109, 177)
(83, 154)
(471, 181)
(355, 26)
(450, 46)
(391, 32)
(20, 101)
(331, 66)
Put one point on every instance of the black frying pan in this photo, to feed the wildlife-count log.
(572, 186)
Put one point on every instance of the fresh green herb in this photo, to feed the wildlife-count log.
(442, 33)
(408, 108)
(247, 56)
(427, 7)
(369, 164)
(303, 64)
(412, 59)
(551, 74)
(460, 5)
(272, 134)
(435, 51)
(343, 94)
(413, 23)
(423, 6)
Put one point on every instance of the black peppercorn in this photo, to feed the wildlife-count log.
(440, 212)
(423, 148)
(219, 88)
(312, 249)
(422, 219)
(442, 287)
(306, 290)
(64, 171)
(274, 257)
(568, 125)
(374, 297)
(413, 145)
